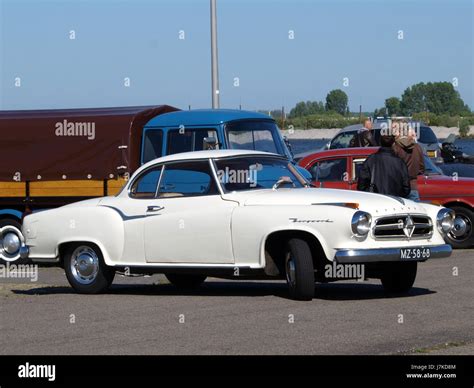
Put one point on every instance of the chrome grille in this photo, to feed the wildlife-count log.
(403, 226)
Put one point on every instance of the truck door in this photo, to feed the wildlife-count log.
(188, 139)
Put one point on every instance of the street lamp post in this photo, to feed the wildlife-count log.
(214, 60)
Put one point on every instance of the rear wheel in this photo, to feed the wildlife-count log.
(185, 281)
(299, 270)
(85, 269)
(399, 277)
(462, 235)
(10, 241)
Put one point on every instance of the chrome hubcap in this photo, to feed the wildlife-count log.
(461, 227)
(84, 265)
(290, 270)
(11, 243)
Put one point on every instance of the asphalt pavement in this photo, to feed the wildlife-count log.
(146, 315)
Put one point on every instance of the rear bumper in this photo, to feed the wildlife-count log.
(387, 254)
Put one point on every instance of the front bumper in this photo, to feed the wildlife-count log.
(376, 255)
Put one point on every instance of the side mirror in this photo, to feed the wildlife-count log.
(210, 143)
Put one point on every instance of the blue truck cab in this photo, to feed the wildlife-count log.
(195, 130)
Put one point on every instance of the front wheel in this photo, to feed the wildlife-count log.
(399, 277)
(85, 269)
(462, 234)
(299, 270)
(185, 281)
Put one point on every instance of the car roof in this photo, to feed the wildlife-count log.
(204, 117)
(354, 151)
(375, 125)
(207, 154)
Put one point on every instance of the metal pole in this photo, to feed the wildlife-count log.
(214, 64)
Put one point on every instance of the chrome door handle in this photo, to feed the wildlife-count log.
(154, 208)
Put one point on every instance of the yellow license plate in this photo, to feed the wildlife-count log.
(431, 154)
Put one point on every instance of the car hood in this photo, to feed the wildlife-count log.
(320, 196)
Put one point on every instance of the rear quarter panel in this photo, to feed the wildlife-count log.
(46, 231)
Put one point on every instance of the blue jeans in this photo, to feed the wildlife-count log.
(414, 195)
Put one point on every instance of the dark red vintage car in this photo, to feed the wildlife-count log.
(339, 169)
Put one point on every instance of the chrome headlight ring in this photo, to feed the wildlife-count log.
(361, 223)
(445, 220)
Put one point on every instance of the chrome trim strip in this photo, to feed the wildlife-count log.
(392, 237)
(387, 254)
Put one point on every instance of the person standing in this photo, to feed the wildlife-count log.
(407, 149)
(384, 172)
(363, 137)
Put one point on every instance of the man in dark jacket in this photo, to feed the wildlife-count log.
(384, 172)
(406, 148)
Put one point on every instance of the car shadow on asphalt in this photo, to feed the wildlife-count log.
(332, 291)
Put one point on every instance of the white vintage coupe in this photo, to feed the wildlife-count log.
(238, 214)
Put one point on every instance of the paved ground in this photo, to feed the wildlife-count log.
(142, 316)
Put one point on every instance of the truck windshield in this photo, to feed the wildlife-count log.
(258, 135)
(427, 136)
(253, 173)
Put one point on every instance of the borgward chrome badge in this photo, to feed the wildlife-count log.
(408, 227)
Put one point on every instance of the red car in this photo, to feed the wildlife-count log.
(339, 168)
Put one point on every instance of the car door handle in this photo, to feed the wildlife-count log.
(154, 208)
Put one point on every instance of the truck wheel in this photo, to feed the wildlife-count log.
(85, 269)
(399, 277)
(17, 225)
(299, 270)
(462, 235)
(185, 281)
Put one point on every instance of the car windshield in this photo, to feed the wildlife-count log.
(427, 136)
(258, 135)
(253, 173)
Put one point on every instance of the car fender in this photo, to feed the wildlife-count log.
(46, 231)
(297, 228)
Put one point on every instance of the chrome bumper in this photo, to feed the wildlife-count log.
(387, 254)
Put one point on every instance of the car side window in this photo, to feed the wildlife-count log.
(146, 184)
(187, 179)
(357, 164)
(342, 140)
(329, 170)
(188, 139)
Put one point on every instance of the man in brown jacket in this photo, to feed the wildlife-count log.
(406, 148)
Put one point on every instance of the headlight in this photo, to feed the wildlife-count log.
(360, 223)
(445, 220)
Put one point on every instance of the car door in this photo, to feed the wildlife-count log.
(330, 173)
(188, 221)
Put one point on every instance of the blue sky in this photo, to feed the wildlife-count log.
(140, 39)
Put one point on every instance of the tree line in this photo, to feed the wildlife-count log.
(438, 98)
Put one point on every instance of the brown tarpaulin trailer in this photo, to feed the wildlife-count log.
(98, 143)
